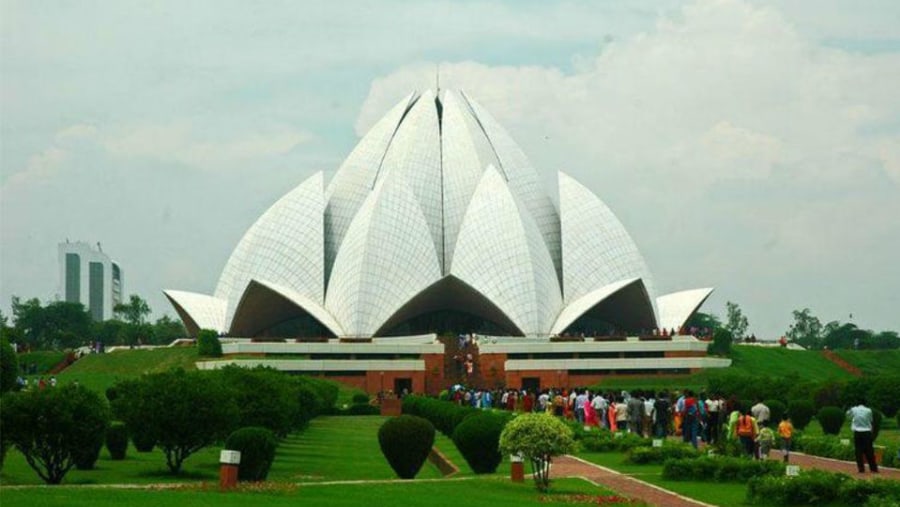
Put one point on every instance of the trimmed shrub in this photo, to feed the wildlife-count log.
(801, 412)
(537, 437)
(826, 447)
(86, 457)
(257, 446)
(606, 441)
(478, 439)
(659, 455)
(816, 487)
(54, 427)
(720, 469)
(208, 344)
(406, 442)
(811, 487)
(831, 419)
(117, 440)
(445, 416)
(776, 411)
(360, 399)
(143, 440)
(877, 417)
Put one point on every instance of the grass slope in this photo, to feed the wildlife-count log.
(99, 371)
(873, 362)
(778, 362)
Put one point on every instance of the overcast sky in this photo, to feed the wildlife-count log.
(749, 146)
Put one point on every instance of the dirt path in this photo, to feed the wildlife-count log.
(570, 466)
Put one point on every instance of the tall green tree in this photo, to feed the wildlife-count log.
(51, 427)
(134, 311)
(806, 330)
(702, 320)
(182, 411)
(737, 323)
(60, 324)
(9, 366)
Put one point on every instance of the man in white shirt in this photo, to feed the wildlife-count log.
(601, 406)
(861, 418)
(760, 412)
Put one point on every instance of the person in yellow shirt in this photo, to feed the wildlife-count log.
(786, 431)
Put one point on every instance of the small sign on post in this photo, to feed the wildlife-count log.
(657, 442)
(792, 470)
(619, 435)
(228, 471)
(845, 441)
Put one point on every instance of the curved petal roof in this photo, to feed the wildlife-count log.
(677, 307)
(596, 248)
(198, 311)
(501, 254)
(388, 257)
(285, 246)
(437, 210)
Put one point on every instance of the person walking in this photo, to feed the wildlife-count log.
(786, 432)
(861, 425)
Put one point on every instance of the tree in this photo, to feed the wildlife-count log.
(721, 344)
(208, 344)
(806, 329)
(134, 311)
(537, 437)
(707, 321)
(52, 427)
(59, 324)
(737, 322)
(9, 366)
(166, 329)
(183, 411)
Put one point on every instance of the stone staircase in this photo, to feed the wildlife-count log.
(454, 363)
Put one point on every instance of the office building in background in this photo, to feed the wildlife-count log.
(88, 276)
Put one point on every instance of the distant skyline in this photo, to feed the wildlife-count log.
(749, 146)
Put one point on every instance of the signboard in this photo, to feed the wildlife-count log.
(792, 470)
(657, 442)
(227, 457)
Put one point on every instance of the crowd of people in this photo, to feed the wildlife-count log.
(693, 417)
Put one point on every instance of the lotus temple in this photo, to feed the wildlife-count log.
(436, 226)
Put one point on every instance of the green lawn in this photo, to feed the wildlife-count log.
(873, 362)
(778, 362)
(99, 371)
(43, 360)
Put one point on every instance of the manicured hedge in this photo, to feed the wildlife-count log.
(801, 413)
(720, 469)
(605, 441)
(831, 419)
(816, 487)
(406, 442)
(257, 447)
(659, 455)
(444, 415)
(117, 440)
(478, 439)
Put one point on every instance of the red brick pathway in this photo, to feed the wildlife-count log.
(570, 466)
(833, 465)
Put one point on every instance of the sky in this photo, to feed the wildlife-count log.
(753, 147)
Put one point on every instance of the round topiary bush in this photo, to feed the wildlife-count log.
(257, 446)
(360, 399)
(801, 412)
(877, 418)
(86, 457)
(831, 419)
(406, 442)
(776, 411)
(478, 439)
(143, 441)
(117, 440)
(208, 344)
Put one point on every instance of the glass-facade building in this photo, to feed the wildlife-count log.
(88, 276)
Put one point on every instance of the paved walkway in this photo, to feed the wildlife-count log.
(833, 465)
(570, 466)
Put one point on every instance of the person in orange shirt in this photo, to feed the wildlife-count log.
(786, 431)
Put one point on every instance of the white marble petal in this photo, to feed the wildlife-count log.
(596, 248)
(677, 307)
(198, 311)
(285, 246)
(387, 257)
(577, 308)
(501, 254)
